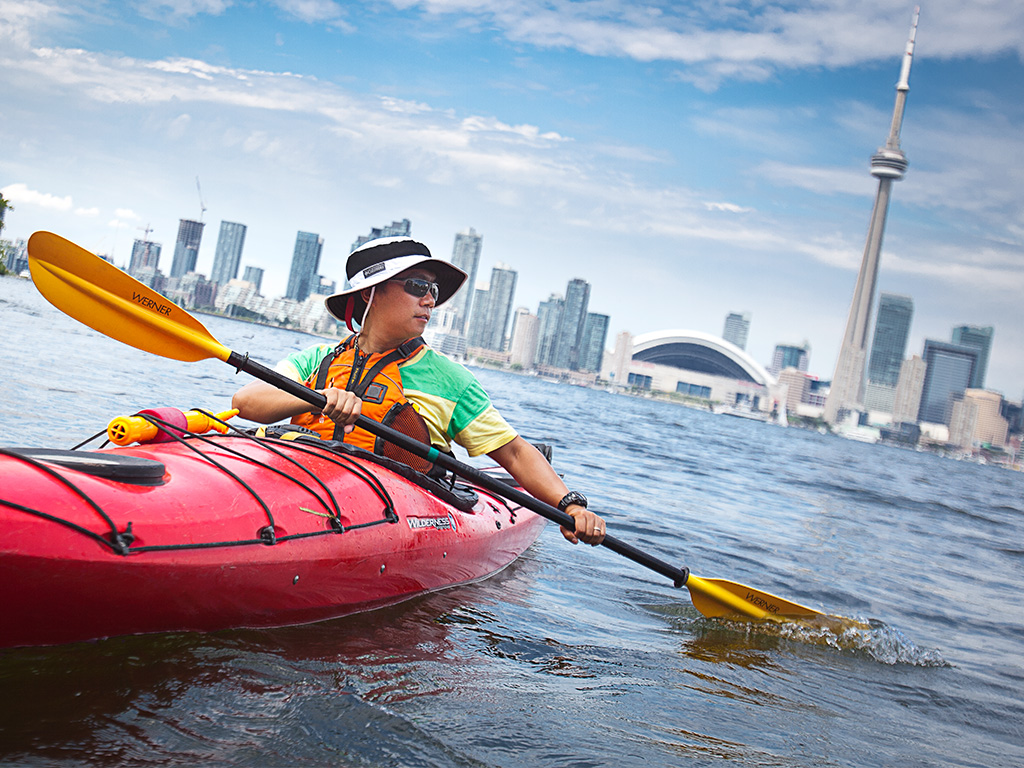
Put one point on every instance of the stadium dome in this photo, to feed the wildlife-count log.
(700, 352)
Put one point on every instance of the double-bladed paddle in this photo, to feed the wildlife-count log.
(106, 299)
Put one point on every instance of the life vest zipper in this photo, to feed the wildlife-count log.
(356, 374)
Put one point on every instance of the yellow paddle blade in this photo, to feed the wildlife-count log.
(101, 296)
(720, 598)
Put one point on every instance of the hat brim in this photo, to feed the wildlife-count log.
(449, 279)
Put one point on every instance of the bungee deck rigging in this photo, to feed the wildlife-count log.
(121, 542)
(206, 532)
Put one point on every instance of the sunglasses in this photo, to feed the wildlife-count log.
(418, 287)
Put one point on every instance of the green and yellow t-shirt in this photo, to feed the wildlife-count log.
(446, 395)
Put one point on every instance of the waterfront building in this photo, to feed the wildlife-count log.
(906, 402)
(325, 287)
(145, 254)
(303, 277)
(493, 309)
(737, 326)
(254, 275)
(569, 336)
(151, 277)
(888, 164)
(796, 386)
(979, 337)
(977, 420)
(186, 248)
(17, 256)
(401, 228)
(950, 368)
(228, 255)
(618, 365)
(549, 317)
(595, 336)
(476, 323)
(523, 347)
(789, 356)
(236, 297)
(888, 348)
(441, 335)
(465, 256)
(192, 291)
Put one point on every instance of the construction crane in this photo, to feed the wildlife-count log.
(202, 205)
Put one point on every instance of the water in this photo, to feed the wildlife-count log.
(572, 656)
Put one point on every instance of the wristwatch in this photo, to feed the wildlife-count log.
(573, 497)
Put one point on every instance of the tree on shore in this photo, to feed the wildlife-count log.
(5, 206)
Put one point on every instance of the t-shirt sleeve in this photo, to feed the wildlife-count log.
(476, 424)
(300, 366)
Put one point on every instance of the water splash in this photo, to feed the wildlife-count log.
(872, 637)
(868, 637)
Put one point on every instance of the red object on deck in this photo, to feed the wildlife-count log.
(229, 532)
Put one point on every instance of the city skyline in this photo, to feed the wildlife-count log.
(718, 166)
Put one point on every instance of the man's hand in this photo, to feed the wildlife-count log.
(343, 407)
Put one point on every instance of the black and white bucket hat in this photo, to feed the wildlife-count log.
(383, 259)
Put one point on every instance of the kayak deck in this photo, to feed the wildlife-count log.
(214, 533)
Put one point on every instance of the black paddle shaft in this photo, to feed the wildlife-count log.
(482, 479)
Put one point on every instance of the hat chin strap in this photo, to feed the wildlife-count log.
(350, 307)
(369, 301)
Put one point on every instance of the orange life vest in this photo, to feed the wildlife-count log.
(377, 380)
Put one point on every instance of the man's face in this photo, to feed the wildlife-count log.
(399, 312)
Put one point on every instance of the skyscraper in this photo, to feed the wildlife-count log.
(948, 375)
(401, 228)
(254, 275)
(465, 256)
(491, 316)
(523, 347)
(186, 249)
(228, 256)
(303, 278)
(889, 345)
(570, 329)
(737, 326)
(979, 337)
(549, 317)
(145, 255)
(789, 356)
(595, 336)
(889, 164)
(888, 348)
(907, 399)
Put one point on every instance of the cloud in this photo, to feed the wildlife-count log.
(20, 194)
(178, 10)
(316, 12)
(21, 19)
(716, 44)
(315, 127)
(178, 126)
(727, 207)
(87, 212)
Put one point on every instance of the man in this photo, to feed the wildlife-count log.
(396, 284)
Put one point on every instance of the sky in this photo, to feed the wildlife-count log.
(688, 159)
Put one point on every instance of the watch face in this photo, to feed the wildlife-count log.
(573, 497)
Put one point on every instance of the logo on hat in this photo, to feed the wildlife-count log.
(373, 269)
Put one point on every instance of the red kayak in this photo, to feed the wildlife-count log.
(209, 533)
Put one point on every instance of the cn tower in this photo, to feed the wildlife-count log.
(889, 164)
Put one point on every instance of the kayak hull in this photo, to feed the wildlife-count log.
(235, 532)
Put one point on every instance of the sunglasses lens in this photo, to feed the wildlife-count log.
(418, 288)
